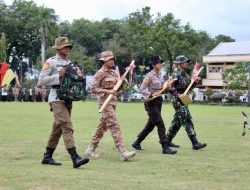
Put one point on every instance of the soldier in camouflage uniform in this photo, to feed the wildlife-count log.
(182, 116)
(151, 86)
(52, 72)
(102, 85)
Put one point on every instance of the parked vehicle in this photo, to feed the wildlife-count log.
(137, 96)
(244, 98)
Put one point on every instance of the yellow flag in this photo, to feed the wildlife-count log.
(8, 77)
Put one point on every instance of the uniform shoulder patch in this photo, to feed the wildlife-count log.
(46, 65)
(146, 80)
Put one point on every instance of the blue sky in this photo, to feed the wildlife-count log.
(228, 17)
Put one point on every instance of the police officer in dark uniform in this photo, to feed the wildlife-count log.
(182, 116)
(151, 85)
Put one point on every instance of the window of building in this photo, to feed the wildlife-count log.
(216, 63)
(216, 69)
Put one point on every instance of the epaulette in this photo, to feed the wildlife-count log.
(53, 57)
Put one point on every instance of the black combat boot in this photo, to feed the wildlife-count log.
(166, 149)
(76, 159)
(47, 158)
(196, 144)
(137, 144)
(170, 144)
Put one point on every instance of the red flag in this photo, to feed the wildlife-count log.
(3, 68)
(195, 70)
(131, 68)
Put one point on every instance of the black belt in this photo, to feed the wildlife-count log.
(158, 99)
(56, 86)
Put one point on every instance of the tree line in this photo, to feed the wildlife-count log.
(29, 28)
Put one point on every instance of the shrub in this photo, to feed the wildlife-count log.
(232, 99)
(217, 98)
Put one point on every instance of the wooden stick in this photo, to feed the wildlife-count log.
(117, 86)
(170, 82)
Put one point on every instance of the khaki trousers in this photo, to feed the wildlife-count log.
(62, 126)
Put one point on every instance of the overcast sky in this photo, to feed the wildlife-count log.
(228, 17)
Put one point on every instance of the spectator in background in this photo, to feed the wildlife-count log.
(4, 94)
(16, 91)
(10, 94)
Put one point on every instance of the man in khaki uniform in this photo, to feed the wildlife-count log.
(52, 72)
(102, 85)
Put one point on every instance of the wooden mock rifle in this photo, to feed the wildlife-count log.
(117, 86)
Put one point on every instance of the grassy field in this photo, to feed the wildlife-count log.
(224, 164)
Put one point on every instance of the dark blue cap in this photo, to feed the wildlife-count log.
(154, 60)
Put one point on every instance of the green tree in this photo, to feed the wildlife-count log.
(2, 48)
(135, 34)
(165, 35)
(87, 35)
(46, 18)
(78, 55)
(208, 92)
(30, 28)
(222, 38)
(133, 40)
(238, 93)
(21, 22)
(236, 78)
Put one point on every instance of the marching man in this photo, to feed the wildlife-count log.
(51, 74)
(182, 116)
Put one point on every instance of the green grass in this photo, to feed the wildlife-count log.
(224, 164)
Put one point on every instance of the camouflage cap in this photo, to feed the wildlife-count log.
(106, 55)
(181, 59)
(62, 42)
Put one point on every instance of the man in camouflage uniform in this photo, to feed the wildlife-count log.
(151, 86)
(52, 72)
(102, 85)
(182, 116)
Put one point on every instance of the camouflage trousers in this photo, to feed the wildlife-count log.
(109, 122)
(182, 117)
(62, 126)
